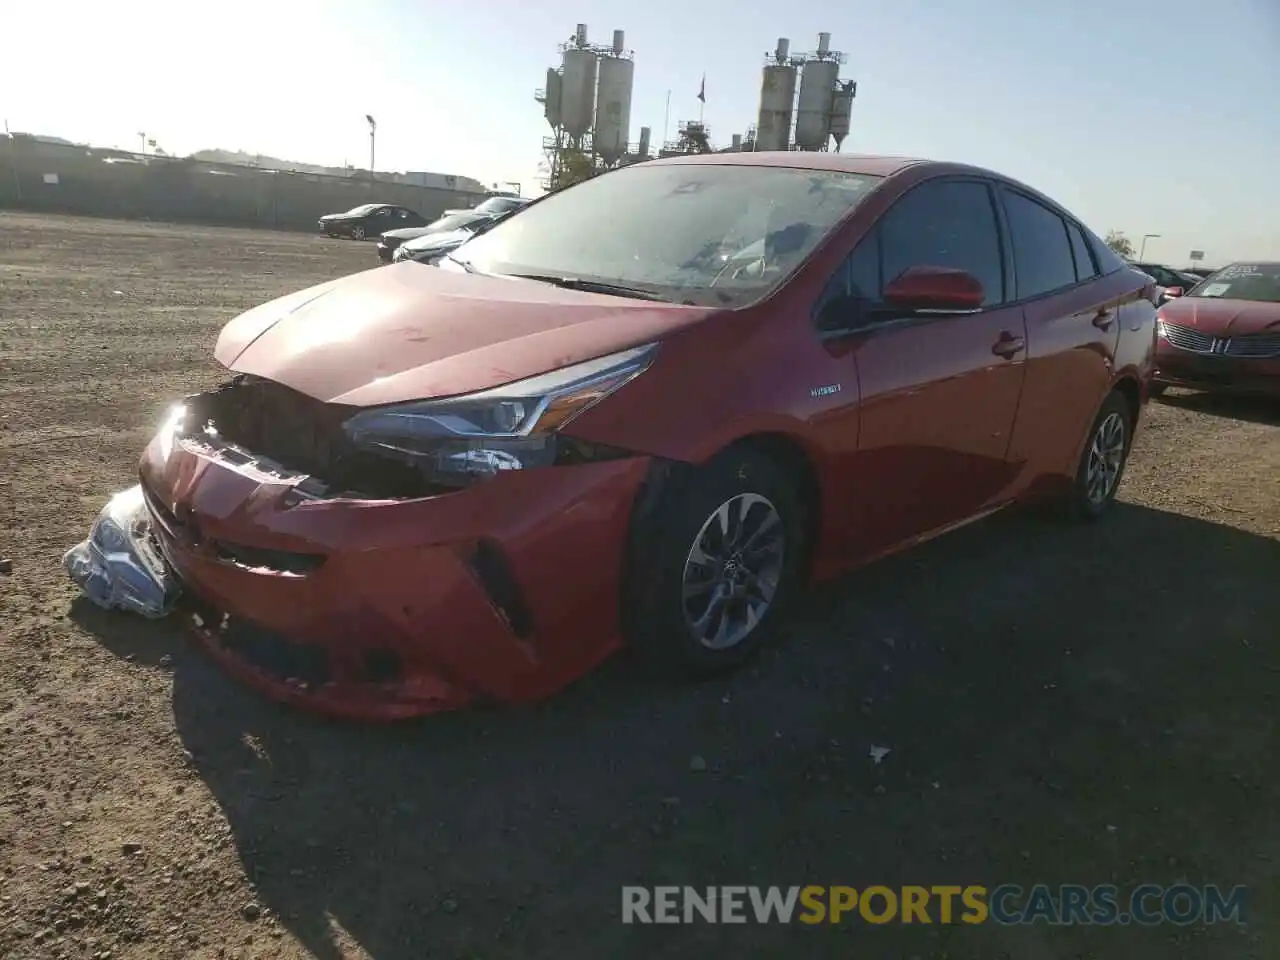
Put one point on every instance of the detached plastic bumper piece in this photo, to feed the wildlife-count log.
(119, 566)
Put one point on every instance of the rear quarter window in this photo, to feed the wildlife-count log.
(1108, 260)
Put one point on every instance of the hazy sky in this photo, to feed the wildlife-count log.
(1148, 116)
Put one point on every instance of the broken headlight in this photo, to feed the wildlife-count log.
(512, 427)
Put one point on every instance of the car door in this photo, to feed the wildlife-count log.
(402, 218)
(939, 392)
(1072, 332)
(380, 221)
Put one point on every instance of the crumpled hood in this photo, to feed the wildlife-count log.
(1221, 317)
(403, 332)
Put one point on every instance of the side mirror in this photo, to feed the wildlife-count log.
(935, 289)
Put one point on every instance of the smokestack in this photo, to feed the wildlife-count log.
(824, 44)
(618, 39)
(784, 48)
(580, 35)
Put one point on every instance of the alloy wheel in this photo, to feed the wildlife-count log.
(1106, 459)
(732, 571)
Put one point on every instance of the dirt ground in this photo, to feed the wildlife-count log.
(1062, 705)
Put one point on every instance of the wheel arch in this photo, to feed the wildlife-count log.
(1127, 386)
(785, 449)
(792, 456)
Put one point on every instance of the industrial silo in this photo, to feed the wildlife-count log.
(817, 94)
(642, 149)
(842, 111)
(613, 103)
(551, 97)
(777, 97)
(578, 86)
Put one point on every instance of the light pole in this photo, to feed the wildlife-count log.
(373, 132)
(1143, 248)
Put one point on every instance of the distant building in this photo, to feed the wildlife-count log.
(440, 181)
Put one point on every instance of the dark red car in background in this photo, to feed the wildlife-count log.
(1224, 333)
(428, 487)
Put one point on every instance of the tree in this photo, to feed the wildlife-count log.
(1121, 244)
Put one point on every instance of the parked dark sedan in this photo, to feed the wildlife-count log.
(369, 220)
(390, 240)
(1175, 282)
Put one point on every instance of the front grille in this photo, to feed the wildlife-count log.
(1250, 346)
(278, 561)
(1255, 346)
(1185, 338)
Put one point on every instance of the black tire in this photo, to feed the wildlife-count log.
(1079, 505)
(664, 530)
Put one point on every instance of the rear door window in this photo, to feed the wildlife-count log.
(1042, 255)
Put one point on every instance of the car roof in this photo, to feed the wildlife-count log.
(865, 163)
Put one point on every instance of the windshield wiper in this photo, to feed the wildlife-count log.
(591, 286)
(465, 265)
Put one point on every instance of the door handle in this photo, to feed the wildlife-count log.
(1104, 319)
(1008, 345)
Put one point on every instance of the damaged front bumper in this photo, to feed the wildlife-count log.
(385, 608)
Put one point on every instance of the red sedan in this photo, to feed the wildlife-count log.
(1224, 334)
(428, 486)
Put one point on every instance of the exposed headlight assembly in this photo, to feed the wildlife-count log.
(512, 427)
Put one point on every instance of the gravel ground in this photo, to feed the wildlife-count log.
(1061, 704)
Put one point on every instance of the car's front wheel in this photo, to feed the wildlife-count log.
(712, 562)
(1103, 460)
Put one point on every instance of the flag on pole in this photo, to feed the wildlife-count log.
(702, 90)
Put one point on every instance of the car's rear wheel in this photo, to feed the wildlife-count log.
(357, 232)
(713, 560)
(1102, 463)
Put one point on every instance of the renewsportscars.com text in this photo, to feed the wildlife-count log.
(1064, 905)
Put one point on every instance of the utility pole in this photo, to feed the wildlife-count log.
(1142, 249)
(373, 133)
(13, 157)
